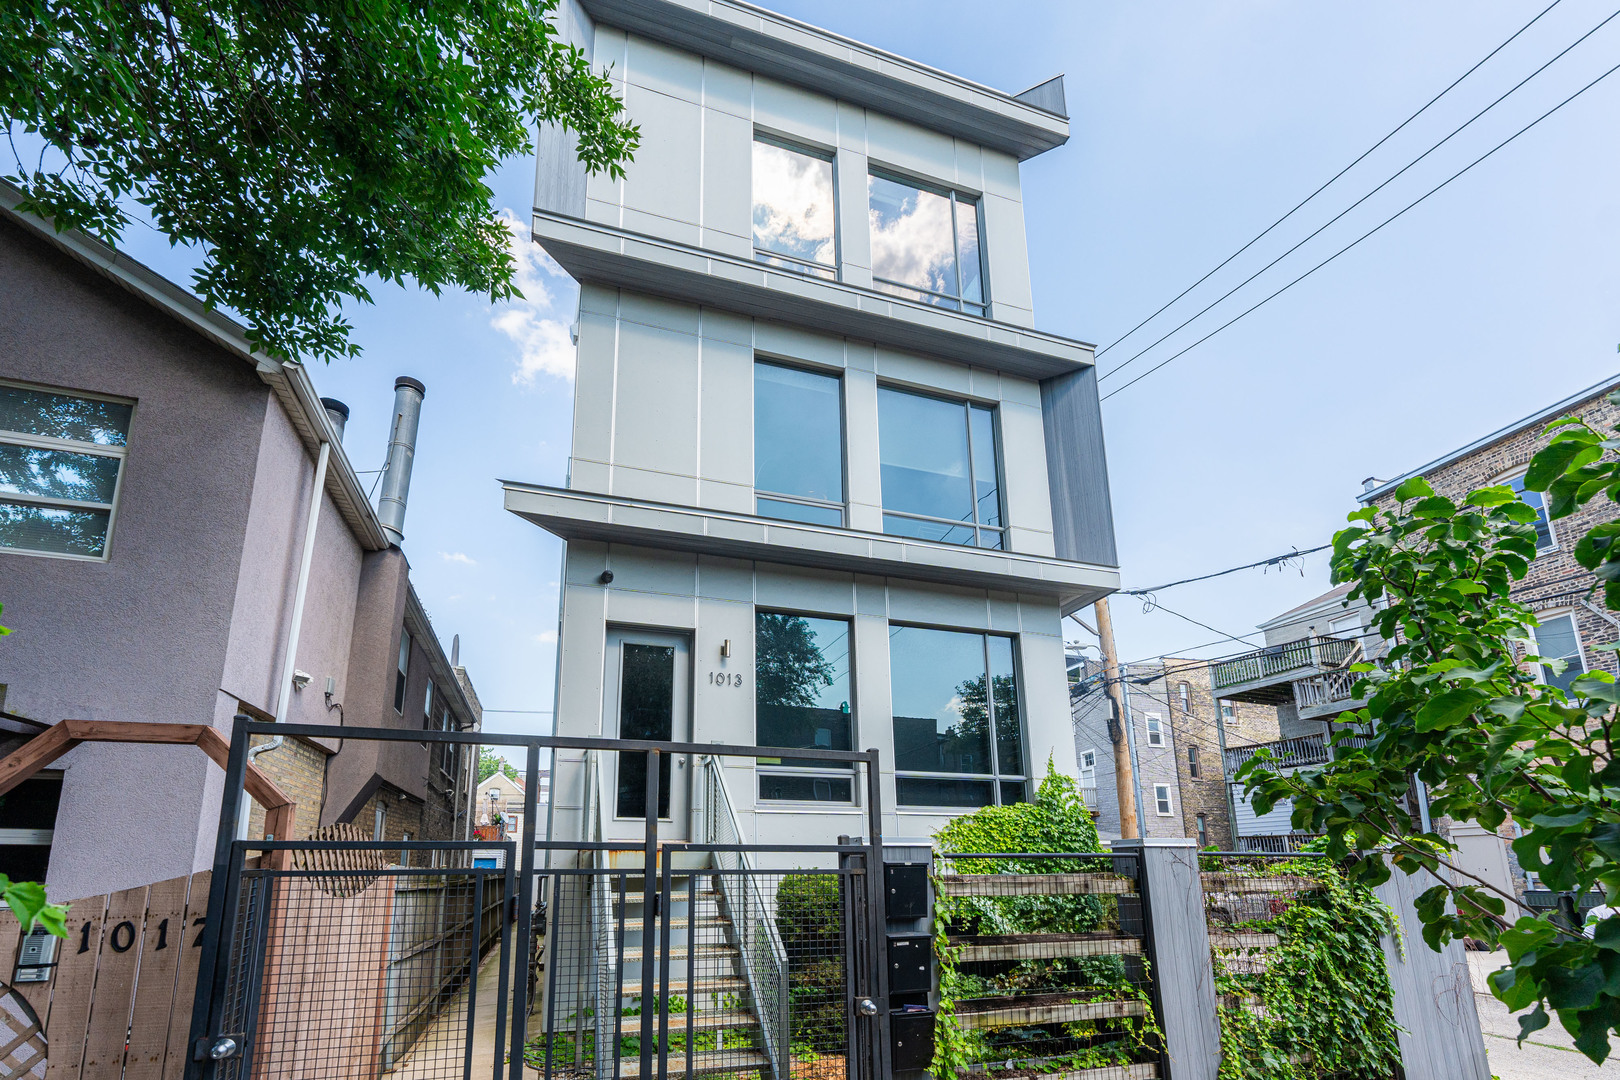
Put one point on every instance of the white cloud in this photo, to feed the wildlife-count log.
(546, 637)
(458, 557)
(543, 342)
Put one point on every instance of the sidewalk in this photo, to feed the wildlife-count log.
(438, 1055)
(1549, 1054)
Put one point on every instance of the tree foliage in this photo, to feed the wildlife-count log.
(789, 670)
(491, 762)
(1457, 704)
(304, 146)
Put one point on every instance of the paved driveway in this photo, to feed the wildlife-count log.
(1549, 1054)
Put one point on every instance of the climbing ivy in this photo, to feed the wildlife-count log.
(1321, 1005)
(1057, 821)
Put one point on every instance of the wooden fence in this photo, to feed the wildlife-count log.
(118, 1001)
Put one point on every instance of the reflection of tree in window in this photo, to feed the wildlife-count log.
(801, 698)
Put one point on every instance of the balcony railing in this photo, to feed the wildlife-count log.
(1325, 689)
(1279, 661)
(1275, 844)
(1290, 753)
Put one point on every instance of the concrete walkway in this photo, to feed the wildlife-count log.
(1549, 1054)
(438, 1055)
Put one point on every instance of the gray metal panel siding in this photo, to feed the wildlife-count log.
(1182, 972)
(559, 175)
(1077, 468)
(1434, 998)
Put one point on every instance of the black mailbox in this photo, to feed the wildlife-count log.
(911, 1040)
(911, 963)
(905, 887)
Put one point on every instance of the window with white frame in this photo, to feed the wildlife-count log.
(1155, 729)
(1161, 799)
(958, 739)
(1226, 711)
(1192, 762)
(1534, 499)
(1203, 832)
(379, 821)
(1557, 638)
(1088, 769)
(402, 670)
(926, 244)
(1184, 692)
(61, 459)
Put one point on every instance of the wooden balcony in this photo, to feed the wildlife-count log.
(1292, 753)
(1266, 676)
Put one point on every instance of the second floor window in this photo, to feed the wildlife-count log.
(939, 470)
(798, 445)
(1161, 799)
(794, 214)
(1535, 500)
(1558, 639)
(1155, 729)
(1192, 762)
(402, 670)
(60, 460)
(925, 244)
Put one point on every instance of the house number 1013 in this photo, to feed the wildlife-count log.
(725, 678)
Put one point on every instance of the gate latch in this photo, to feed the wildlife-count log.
(866, 1006)
(219, 1048)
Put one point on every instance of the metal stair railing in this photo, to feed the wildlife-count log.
(605, 990)
(752, 929)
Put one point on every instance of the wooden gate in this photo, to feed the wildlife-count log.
(118, 1000)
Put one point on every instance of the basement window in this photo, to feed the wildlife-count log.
(61, 462)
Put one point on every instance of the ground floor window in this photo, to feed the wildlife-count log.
(958, 740)
(802, 702)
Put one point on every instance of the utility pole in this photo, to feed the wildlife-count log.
(1124, 775)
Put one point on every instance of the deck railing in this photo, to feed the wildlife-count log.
(1278, 661)
(1301, 750)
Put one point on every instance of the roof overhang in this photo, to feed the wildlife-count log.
(591, 252)
(580, 515)
(753, 39)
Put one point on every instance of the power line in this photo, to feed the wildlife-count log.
(1153, 604)
(1275, 560)
(1301, 204)
(1454, 133)
(1366, 235)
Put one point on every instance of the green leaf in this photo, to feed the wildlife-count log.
(1449, 708)
(1532, 1022)
(1413, 487)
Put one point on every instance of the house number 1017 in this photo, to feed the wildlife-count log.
(725, 678)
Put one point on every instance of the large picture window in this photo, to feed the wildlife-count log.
(957, 735)
(798, 445)
(61, 457)
(939, 470)
(795, 217)
(925, 244)
(801, 701)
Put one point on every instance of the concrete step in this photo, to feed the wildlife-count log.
(711, 1061)
(679, 984)
(702, 1021)
(679, 952)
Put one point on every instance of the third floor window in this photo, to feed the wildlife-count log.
(794, 214)
(925, 244)
(938, 469)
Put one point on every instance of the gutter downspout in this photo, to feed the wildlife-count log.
(301, 590)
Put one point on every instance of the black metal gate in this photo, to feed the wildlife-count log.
(598, 956)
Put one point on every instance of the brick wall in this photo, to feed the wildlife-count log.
(299, 769)
(1196, 729)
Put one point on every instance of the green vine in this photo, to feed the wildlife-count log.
(1057, 821)
(1321, 1005)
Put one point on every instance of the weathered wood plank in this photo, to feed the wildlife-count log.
(1233, 941)
(1217, 882)
(1045, 1012)
(1036, 885)
(1044, 946)
(178, 1049)
(161, 947)
(1140, 1071)
(108, 1030)
(74, 987)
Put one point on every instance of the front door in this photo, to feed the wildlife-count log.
(648, 689)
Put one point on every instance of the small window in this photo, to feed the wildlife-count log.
(1088, 760)
(379, 821)
(402, 671)
(428, 704)
(405, 853)
(61, 460)
(939, 470)
(1203, 832)
(798, 445)
(1557, 639)
(925, 244)
(1226, 711)
(1533, 499)
(795, 215)
(1184, 691)
(1161, 796)
(1192, 762)
(1155, 729)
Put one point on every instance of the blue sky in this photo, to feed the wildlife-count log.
(1195, 124)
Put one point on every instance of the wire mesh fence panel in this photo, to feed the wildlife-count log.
(358, 973)
(1246, 895)
(1046, 969)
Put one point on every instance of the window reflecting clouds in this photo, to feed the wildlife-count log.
(925, 245)
(795, 219)
(947, 724)
(938, 467)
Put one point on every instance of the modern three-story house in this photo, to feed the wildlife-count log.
(829, 487)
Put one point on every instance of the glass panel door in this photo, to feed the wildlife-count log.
(647, 700)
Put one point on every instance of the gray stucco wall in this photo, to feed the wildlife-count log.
(1153, 765)
(141, 636)
(1082, 511)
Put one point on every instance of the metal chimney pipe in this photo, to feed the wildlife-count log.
(396, 481)
(337, 412)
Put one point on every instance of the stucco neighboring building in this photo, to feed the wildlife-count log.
(163, 491)
(829, 486)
